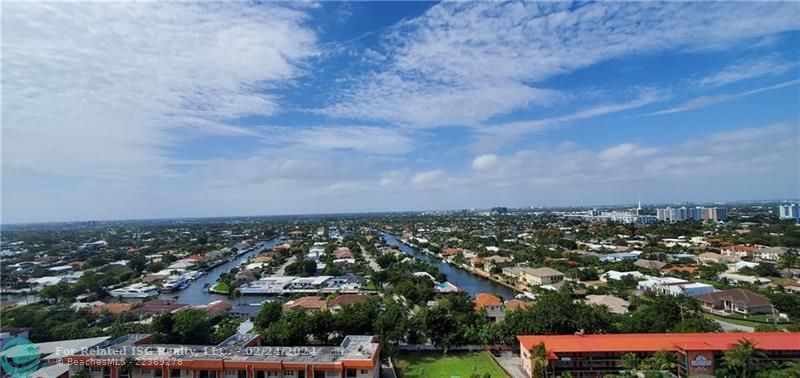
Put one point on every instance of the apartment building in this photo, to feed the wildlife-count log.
(601, 355)
(241, 356)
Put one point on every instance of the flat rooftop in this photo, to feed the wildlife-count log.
(235, 349)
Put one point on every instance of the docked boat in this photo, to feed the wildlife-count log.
(173, 283)
(138, 290)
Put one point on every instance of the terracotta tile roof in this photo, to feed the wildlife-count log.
(306, 303)
(348, 299)
(654, 342)
(517, 304)
(343, 252)
(687, 269)
(114, 308)
(483, 300)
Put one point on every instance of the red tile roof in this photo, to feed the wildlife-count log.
(483, 300)
(306, 303)
(517, 304)
(654, 342)
(343, 252)
(348, 299)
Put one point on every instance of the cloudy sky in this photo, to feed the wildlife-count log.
(116, 111)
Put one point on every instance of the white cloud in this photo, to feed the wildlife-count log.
(495, 53)
(744, 70)
(723, 161)
(492, 136)
(484, 162)
(705, 101)
(103, 89)
(428, 177)
(625, 151)
(364, 139)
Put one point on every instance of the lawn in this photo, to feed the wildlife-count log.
(740, 322)
(435, 365)
(220, 288)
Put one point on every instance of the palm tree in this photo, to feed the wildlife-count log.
(663, 361)
(539, 361)
(631, 363)
(127, 366)
(744, 358)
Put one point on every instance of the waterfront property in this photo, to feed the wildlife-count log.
(241, 356)
(600, 355)
(540, 276)
(286, 285)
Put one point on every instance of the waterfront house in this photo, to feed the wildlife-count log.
(493, 305)
(342, 300)
(517, 304)
(540, 276)
(308, 304)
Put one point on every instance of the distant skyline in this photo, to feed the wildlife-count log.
(162, 110)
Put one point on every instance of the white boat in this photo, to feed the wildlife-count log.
(173, 283)
(139, 290)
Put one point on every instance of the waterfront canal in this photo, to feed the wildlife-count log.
(466, 281)
(196, 294)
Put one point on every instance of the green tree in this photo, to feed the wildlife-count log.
(391, 325)
(137, 263)
(191, 327)
(539, 361)
(743, 359)
(270, 312)
(663, 361)
(631, 362)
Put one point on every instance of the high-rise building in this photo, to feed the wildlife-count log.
(789, 211)
(681, 214)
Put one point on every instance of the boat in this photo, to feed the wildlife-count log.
(173, 283)
(139, 290)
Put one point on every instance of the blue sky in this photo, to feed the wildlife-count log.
(115, 111)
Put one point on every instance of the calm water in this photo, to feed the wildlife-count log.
(466, 281)
(194, 294)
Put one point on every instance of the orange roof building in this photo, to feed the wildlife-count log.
(484, 300)
(112, 308)
(307, 304)
(599, 355)
(356, 356)
(517, 304)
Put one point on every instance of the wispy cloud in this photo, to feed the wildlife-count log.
(747, 69)
(464, 63)
(492, 136)
(705, 101)
(103, 89)
(363, 139)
